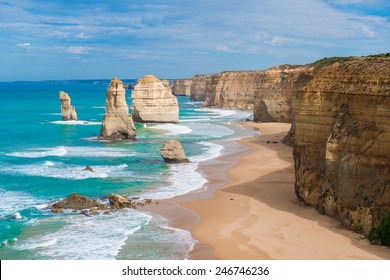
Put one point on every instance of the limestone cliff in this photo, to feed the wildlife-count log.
(198, 87)
(117, 123)
(342, 140)
(68, 112)
(276, 87)
(269, 93)
(182, 87)
(233, 89)
(153, 101)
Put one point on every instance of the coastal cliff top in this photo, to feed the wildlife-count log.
(353, 75)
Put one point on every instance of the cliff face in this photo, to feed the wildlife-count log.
(182, 87)
(153, 101)
(269, 93)
(117, 123)
(198, 87)
(233, 90)
(342, 141)
(68, 112)
(276, 87)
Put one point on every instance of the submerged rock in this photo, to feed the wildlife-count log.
(76, 202)
(173, 152)
(68, 112)
(117, 123)
(153, 101)
(88, 168)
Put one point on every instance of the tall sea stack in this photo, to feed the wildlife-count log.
(153, 101)
(68, 112)
(117, 123)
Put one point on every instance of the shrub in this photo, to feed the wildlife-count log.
(381, 233)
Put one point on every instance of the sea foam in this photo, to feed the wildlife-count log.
(172, 129)
(76, 122)
(14, 201)
(184, 178)
(67, 171)
(91, 238)
(74, 151)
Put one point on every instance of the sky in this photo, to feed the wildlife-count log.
(85, 39)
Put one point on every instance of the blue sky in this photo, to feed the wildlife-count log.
(85, 39)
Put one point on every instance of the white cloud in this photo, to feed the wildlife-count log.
(77, 50)
(81, 35)
(24, 45)
(370, 33)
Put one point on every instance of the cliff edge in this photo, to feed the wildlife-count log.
(342, 140)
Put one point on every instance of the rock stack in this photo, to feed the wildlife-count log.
(117, 123)
(173, 152)
(153, 101)
(67, 111)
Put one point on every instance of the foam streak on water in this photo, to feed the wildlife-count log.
(65, 171)
(92, 238)
(172, 129)
(74, 152)
(13, 201)
(76, 122)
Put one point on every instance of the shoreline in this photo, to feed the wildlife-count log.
(248, 208)
(183, 218)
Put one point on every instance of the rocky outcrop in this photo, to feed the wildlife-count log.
(172, 152)
(118, 201)
(182, 87)
(68, 112)
(117, 123)
(268, 92)
(77, 202)
(199, 86)
(153, 101)
(233, 89)
(276, 87)
(342, 140)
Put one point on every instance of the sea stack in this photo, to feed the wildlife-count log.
(68, 112)
(172, 152)
(153, 101)
(117, 123)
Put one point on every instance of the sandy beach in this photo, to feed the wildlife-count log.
(249, 210)
(256, 215)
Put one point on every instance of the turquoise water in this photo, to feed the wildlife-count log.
(41, 162)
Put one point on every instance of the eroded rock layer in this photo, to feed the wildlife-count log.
(182, 87)
(153, 101)
(68, 112)
(234, 90)
(342, 141)
(117, 123)
(198, 87)
(276, 87)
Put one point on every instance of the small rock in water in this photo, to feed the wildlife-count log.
(88, 168)
(16, 216)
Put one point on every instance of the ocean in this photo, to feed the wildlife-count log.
(41, 162)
